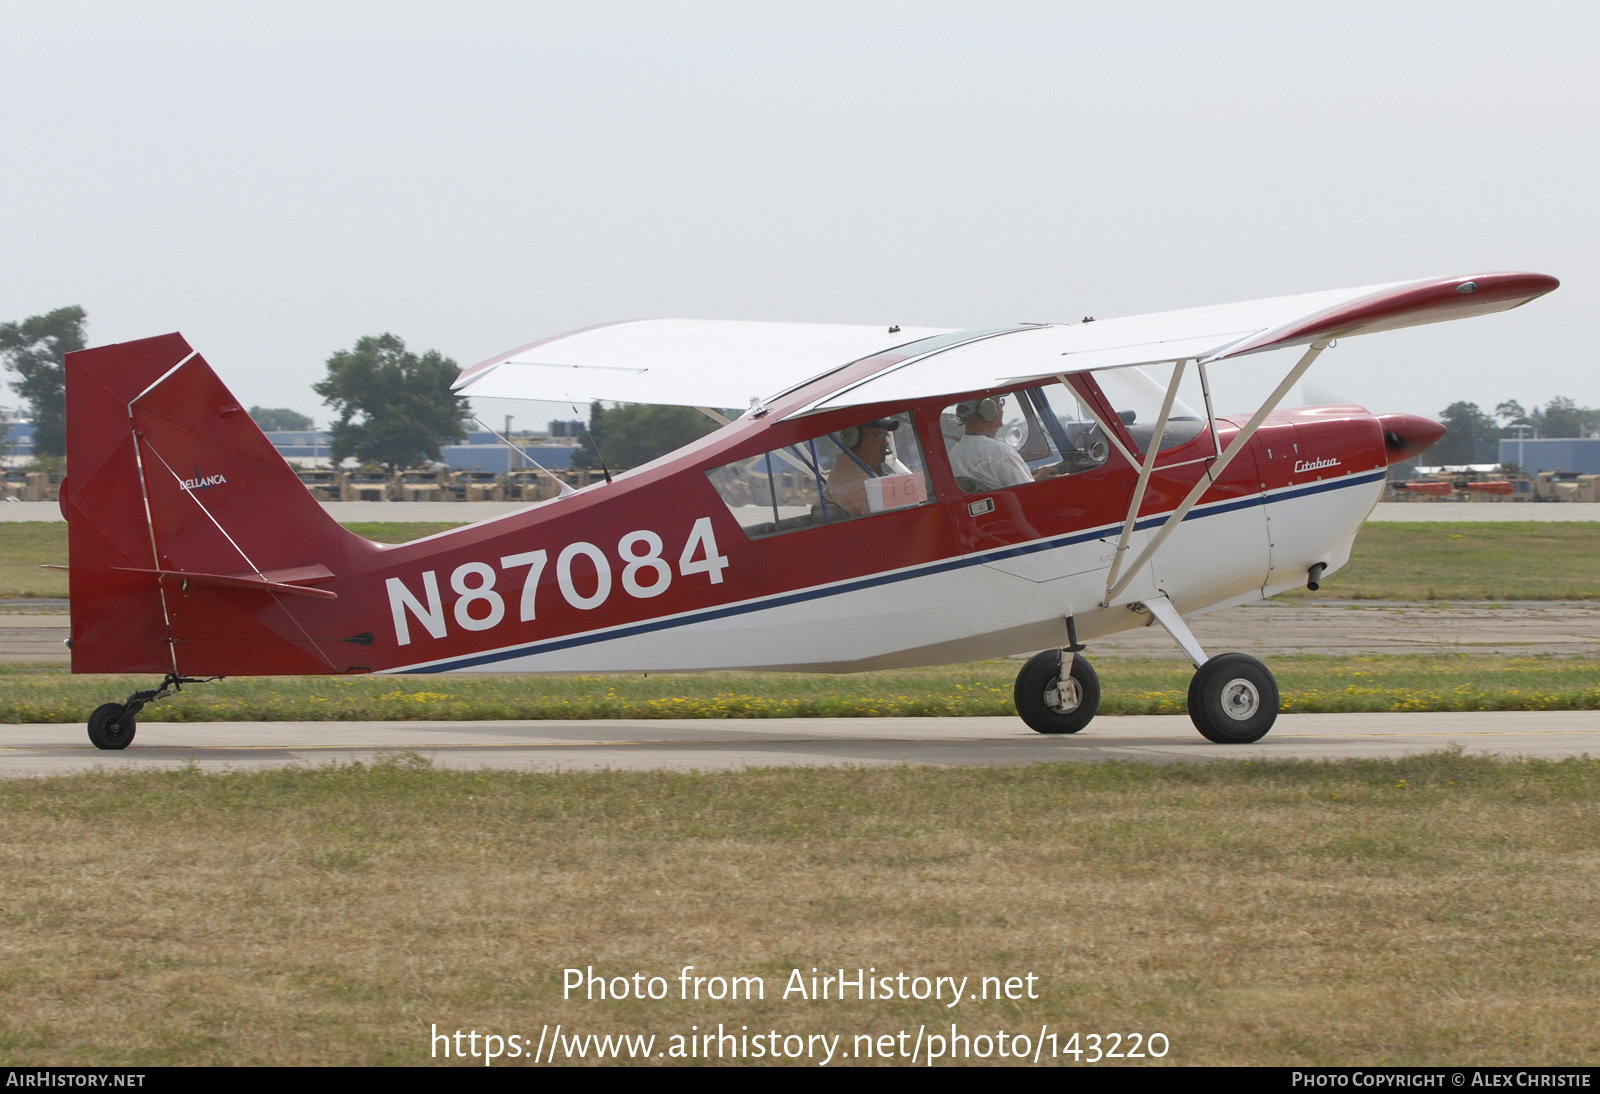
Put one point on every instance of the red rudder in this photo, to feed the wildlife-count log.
(181, 514)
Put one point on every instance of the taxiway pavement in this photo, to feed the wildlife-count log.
(707, 745)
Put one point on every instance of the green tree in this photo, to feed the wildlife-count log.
(1471, 436)
(636, 433)
(279, 417)
(1564, 418)
(1511, 413)
(36, 350)
(394, 407)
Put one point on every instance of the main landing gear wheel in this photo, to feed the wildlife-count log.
(111, 726)
(1052, 701)
(1233, 699)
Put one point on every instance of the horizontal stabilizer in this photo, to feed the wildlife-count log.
(274, 581)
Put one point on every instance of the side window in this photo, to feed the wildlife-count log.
(875, 467)
(1020, 437)
(1136, 397)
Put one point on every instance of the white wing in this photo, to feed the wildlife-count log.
(714, 363)
(683, 362)
(1206, 334)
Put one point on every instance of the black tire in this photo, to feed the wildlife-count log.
(1039, 699)
(1233, 699)
(110, 727)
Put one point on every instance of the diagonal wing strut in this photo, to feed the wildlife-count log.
(1114, 583)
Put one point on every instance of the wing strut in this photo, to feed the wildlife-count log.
(1113, 587)
(1145, 469)
(1211, 417)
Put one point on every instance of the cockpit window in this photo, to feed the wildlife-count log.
(1020, 437)
(1136, 397)
(866, 469)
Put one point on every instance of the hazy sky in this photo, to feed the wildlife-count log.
(276, 180)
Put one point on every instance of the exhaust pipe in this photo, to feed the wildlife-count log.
(1314, 576)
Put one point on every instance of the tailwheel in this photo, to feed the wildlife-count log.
(1053, 696)
(1233, 699)
(111, 726)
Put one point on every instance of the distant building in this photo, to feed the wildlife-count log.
(1535, 454)
(500, 459)
(300, 444)
(482, 452)
(16, 439)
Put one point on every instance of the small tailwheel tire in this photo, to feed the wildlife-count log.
(1052, 701)
(111, 727)
(1233, 699)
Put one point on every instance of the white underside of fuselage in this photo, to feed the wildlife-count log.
(990, 604)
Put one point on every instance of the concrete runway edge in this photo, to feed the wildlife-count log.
(713, 745)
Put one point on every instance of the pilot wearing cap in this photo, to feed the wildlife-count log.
(867, 455)
(977, 455)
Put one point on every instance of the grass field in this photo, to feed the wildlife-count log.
(1435, 910)
(1309, 684)
(1392, 561)
(1512, 560)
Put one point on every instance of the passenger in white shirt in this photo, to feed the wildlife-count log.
(978, 456)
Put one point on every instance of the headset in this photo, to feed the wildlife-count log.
(850, 436)
(983, 409)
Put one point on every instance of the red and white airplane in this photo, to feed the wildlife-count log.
(891, 497)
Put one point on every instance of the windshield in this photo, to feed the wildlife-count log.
(1136, 396)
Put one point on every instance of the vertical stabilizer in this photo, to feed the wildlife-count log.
(181, 514)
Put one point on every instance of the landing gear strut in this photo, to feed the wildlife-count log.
(112, 725)
(1233, 699)
(1054, 695)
